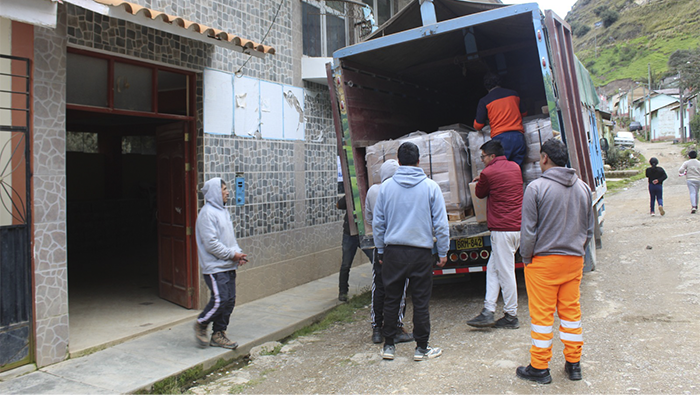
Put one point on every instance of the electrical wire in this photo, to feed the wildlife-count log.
(238, 73)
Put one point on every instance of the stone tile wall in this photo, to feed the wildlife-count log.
(49, 193)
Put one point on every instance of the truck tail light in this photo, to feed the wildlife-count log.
(453, 257)
(463, 256)
(484, 254)
(474, 255)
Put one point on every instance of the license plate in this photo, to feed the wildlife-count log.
(469, 243)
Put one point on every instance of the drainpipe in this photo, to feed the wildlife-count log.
(427, 12)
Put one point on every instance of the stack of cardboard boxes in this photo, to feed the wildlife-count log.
(443, 158)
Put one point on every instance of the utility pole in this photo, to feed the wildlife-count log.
(649, 133)
(680, 88)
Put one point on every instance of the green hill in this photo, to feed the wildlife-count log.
(644, 32)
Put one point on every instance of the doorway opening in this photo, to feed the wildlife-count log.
(113, 229)
(131, 200)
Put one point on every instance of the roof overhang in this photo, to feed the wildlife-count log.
(176, 25)
(35, 12)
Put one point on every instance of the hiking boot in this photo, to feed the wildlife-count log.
(483, 320)
(377, 335)
(573, 370)
(219, 339)
(200, 333)
(661, 210)
(388, 351)
(402, 336)
(541, 376)
(343, 297)
(508, 322)
(424, 354)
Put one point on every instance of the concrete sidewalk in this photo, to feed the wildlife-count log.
(139, 363)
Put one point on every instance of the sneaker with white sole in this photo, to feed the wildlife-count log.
(423, 354)
(388, 351)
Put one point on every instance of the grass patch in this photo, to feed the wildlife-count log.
(615, 186)
(274, 351)
(343, 313)
(176, 384)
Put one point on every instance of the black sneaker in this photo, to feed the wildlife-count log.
(402, 336)
(388, 351)
(507, 322)
(573, 370)
(483, 320)
(343, 297)
(377, 335)
(541, 376)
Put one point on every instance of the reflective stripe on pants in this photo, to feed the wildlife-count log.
(553, 284)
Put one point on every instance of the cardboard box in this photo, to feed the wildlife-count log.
(478, 204)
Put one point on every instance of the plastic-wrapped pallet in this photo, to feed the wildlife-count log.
(538, 129)
(447, 165)
(443, 158)
(476, 140)
(531, 172)
(382, 151)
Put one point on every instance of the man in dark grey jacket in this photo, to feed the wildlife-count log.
(557, 225)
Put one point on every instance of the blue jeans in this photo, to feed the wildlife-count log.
(514, 146)
(350, 246)
(656, 193)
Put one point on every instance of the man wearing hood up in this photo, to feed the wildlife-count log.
(557, 225)
(219, 257)
(386, 171)
(409, 212)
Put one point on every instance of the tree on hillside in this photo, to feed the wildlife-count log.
(609, 17)
(686, 64)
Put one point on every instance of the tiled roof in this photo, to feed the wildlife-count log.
(214, 34)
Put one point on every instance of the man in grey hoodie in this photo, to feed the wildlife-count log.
(557, 225)
(409, 212)
(219, 257)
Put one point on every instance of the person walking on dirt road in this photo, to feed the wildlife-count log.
(557, 225)
(656, 175)
(691, 170)
(409, 212)
(502, 182)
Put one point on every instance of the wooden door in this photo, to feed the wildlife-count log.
(176, 273)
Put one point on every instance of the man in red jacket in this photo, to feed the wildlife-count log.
(501, 181)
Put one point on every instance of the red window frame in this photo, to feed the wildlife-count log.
(191, 82)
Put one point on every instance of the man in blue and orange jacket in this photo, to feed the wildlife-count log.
(502, 109)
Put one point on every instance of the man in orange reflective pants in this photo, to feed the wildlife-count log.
(557, 225)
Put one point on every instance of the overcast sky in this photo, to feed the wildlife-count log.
(560, 7)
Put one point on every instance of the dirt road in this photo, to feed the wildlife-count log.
(640, 317)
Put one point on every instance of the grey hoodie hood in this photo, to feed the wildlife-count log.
(216, 241)
(388, 169)
(409, 176)
(563, 175)
(212, 193)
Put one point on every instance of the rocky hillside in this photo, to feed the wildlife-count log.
(616, 39)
